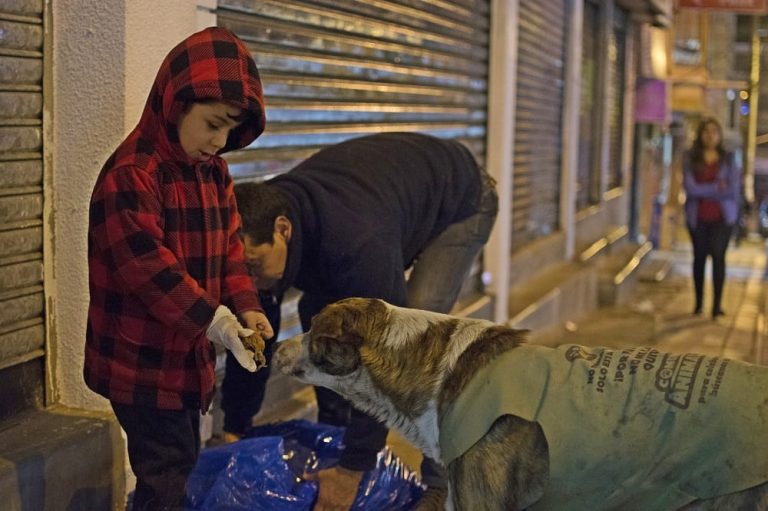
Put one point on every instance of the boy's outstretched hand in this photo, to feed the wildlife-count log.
(226, 330)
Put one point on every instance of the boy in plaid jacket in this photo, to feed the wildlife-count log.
(166, 267)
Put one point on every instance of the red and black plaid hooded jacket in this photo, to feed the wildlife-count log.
(163, 244)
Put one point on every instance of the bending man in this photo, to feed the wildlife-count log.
(349, 221)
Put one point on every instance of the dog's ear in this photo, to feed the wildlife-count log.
(338, 331)
(342, 318)
(335, 355)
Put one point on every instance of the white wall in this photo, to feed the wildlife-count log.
(152, 28)
(104, 58)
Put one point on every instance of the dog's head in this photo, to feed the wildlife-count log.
(402, 366)
(334, 343)
(330, 353)
(369, 351)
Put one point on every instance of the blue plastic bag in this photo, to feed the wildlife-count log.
(264, 472)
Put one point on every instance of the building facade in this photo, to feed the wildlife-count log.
(543, 93)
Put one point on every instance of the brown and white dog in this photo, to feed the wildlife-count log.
(427, 375)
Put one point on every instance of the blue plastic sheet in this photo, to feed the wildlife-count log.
(264, 472)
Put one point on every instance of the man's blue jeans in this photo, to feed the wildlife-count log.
(441, 267)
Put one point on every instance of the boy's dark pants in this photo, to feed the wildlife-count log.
(163, 446)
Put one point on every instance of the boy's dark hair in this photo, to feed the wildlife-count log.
(244, 117)
(259, 204)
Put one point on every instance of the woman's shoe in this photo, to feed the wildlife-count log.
(717, 313)
(697, 311)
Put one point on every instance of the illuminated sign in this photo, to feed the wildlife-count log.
(746, 6)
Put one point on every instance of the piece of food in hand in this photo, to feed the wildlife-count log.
(255, 344)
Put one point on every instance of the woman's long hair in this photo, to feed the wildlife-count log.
(697, 148)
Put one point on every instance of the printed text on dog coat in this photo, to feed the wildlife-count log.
(626, 429)
(680, 377)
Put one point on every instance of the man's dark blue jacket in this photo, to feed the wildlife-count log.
(363, 210)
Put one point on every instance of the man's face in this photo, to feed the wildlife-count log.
(204, 128)
(267, 261)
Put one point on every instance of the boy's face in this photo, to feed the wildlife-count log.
(204, 128)
(266, 261)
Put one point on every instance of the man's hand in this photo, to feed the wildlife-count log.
(258, 322)
(337, 488)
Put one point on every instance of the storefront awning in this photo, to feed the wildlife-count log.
(656, 12)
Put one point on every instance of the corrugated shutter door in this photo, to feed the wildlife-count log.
(617, 59)
(338, 69)
(588, 171)
(22, 338)
(538, 119)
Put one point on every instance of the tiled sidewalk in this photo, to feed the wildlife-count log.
(660, 313)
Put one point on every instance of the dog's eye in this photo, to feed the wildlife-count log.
(333, 356)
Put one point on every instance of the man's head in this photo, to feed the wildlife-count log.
(267, 230)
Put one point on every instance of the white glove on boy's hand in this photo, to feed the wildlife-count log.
(226, 330)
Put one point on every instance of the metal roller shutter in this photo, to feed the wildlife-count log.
(22, 330)
(338, 69)
(588, 172)
(617, 59)
(538, 120)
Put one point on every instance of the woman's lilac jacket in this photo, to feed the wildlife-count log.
(728, 195)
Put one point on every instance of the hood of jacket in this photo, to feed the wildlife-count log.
(210, 65)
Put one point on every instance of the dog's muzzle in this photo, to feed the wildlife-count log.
(288, 357)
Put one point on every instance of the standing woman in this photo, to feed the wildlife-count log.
(712, 182)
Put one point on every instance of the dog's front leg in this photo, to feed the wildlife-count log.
(449, 506)
(506, 469)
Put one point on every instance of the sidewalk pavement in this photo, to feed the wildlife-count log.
(660, 313)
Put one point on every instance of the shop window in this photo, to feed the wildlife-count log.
(617, 60)
(588, 180)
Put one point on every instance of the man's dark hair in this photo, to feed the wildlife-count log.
(259, 205)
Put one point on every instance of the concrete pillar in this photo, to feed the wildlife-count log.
(502, 91)
(105, 56)
(571, 104)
